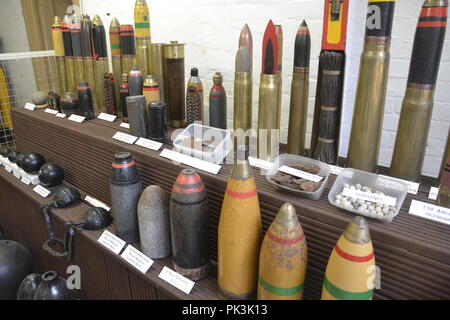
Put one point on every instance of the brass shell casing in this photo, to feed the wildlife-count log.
(412, 134)
(62, 81)
(298, 113)
(175, 85)
(128, 62)
(243, 85)
(143, 55)
(89, 74)
(444, 158)
(368, 115)
(157, 65)
(70, 76)
(78, 65)
(268, 148)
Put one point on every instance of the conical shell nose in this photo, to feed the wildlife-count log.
(358, 231)
(287, 216)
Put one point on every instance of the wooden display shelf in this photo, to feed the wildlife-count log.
(413, 253)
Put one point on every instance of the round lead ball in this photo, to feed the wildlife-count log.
(32, 162)
(12, 156)
(51, 175)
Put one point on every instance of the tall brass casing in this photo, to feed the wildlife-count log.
(157, 65)
(298, 112)
(444, 158)
(78, 67)
(368, 115)
(243, 84)
(70, 76)
(128, 62)
(175, 86)
(412, 134)
(60, 64)
(268, 141)
(89, 74)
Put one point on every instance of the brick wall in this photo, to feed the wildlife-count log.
(211, 30)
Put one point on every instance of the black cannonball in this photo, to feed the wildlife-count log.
(19, 159)
(51, 175)
(32, 162)
(5, 152)
(13, 156)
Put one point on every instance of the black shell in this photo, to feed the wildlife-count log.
(28, 286)
(5, 152)
(51, 175)
(96, 218)
(32, 162)
(13, 156)
(19, 159)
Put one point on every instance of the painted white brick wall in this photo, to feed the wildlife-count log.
(211, 29)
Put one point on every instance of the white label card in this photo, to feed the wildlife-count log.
(368, 196)
(76, 118)
(7, 168)
(16, 175)
(40, 190)
(107, 117)
(96, 203)
(300, 174)
(61, 115)
(262, 164)
(190, 161)
(127, 138)
(112, 242)
(137, 259)
(51, 111)
(413, 187)
(149, 144)
(335, 170)
(26, 180)
(125, 125)
(30, 106)
(433, 193)
(430, 211)
(177, 280)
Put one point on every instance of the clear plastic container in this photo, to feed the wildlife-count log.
(290, 159)
(390, 187)
(221, 143)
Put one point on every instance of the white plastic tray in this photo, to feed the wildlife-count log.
(290, 159)
(205, 133)
(387, 185)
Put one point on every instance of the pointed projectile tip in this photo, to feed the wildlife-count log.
(114, 23)
(97, 21)
(304, 24)
(435, 3)
(140, 2)
(56, 20)
(246, 39)
(243, 60)
(135, 69)
(287, 216)
(358, 231)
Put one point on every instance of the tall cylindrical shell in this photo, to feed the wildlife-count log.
(445, 157)
(279, 31)
(58, 44)
(87, 41)
(125, 187)
(350, 271)
(116, 53)
(85, 100)
(154, 222)
(189, 222)
(135, 81)
(268, 140)
(298, 113)
(157, 121)
(218, 103)
(143, 36)
(194, 98)
(367, 123)
(283, 258)
(174, 68)
(443, 198)
(77, 47)
(136, 115)
(157, 63)
(239, 234)
(68, 54)
(126, 32)
(415, 117)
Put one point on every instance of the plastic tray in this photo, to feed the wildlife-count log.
(290, 159)
(205, 132)
(387, 185)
